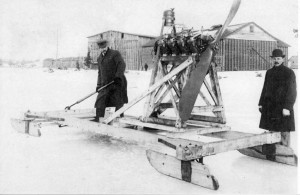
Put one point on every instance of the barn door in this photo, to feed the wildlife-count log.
(130, 51)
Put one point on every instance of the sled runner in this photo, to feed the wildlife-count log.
(278, 153)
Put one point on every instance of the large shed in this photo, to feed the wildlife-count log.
(128, 44)
(248, 46)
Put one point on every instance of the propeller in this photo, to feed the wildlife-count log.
(234, 8)
(191, 89)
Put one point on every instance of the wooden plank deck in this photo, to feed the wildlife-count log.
(228, 140)
(191, 142)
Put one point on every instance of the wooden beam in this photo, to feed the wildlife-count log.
(175, 107)
(158, 102)
(62, 112)
(129, 135)
(210, 91)
(215, 80)
(207, 118)
(161, 98)
(204, 98)
(195, 151)
(148, 106)
(47, 117)
(165, 105)
(198, 109)
(159, 121)
(159, 91)
(136, 122)
(171, 82)
(26, 126)
(150, 90)
(213, 83)
(191, 133)
(150, 99)
(228, 134)
(195, 123)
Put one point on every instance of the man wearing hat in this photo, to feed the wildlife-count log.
(111, 67)
(277, 99)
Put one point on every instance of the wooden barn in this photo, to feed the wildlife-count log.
(129, 45)
(248, 46)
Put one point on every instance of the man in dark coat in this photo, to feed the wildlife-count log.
(277, 99)
(111, 67)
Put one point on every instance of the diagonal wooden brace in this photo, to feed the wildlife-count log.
(151, 89)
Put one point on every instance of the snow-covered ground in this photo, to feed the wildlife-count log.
(65, 160)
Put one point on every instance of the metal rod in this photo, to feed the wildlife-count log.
(69, 107)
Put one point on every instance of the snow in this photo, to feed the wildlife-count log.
(66, 160)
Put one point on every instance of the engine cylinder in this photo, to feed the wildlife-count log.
(169, 17)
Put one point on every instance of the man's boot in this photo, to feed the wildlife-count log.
(96, 118)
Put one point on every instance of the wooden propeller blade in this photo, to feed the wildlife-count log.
(234, 8)
(192, 87)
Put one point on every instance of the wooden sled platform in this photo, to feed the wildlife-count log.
(191, 143)
(128, 128)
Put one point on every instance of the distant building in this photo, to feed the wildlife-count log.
(129, 45)
(64, 63)
(48, 62)
(245, 46)
(293, 62)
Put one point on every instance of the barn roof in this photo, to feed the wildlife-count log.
(231, 30)
(237, 27)
(140, 35)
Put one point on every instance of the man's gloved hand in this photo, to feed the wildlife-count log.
(97, 88)
(260, 108)
(117, 81)
(286, 112)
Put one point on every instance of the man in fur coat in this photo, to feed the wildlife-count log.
(277, 99)
(111, 67)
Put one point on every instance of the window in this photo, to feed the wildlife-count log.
(251, 28)
(122, 36)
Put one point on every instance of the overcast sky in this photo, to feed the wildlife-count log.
(29, 28)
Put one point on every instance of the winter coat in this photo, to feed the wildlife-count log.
(110, 67)
(278, 93)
